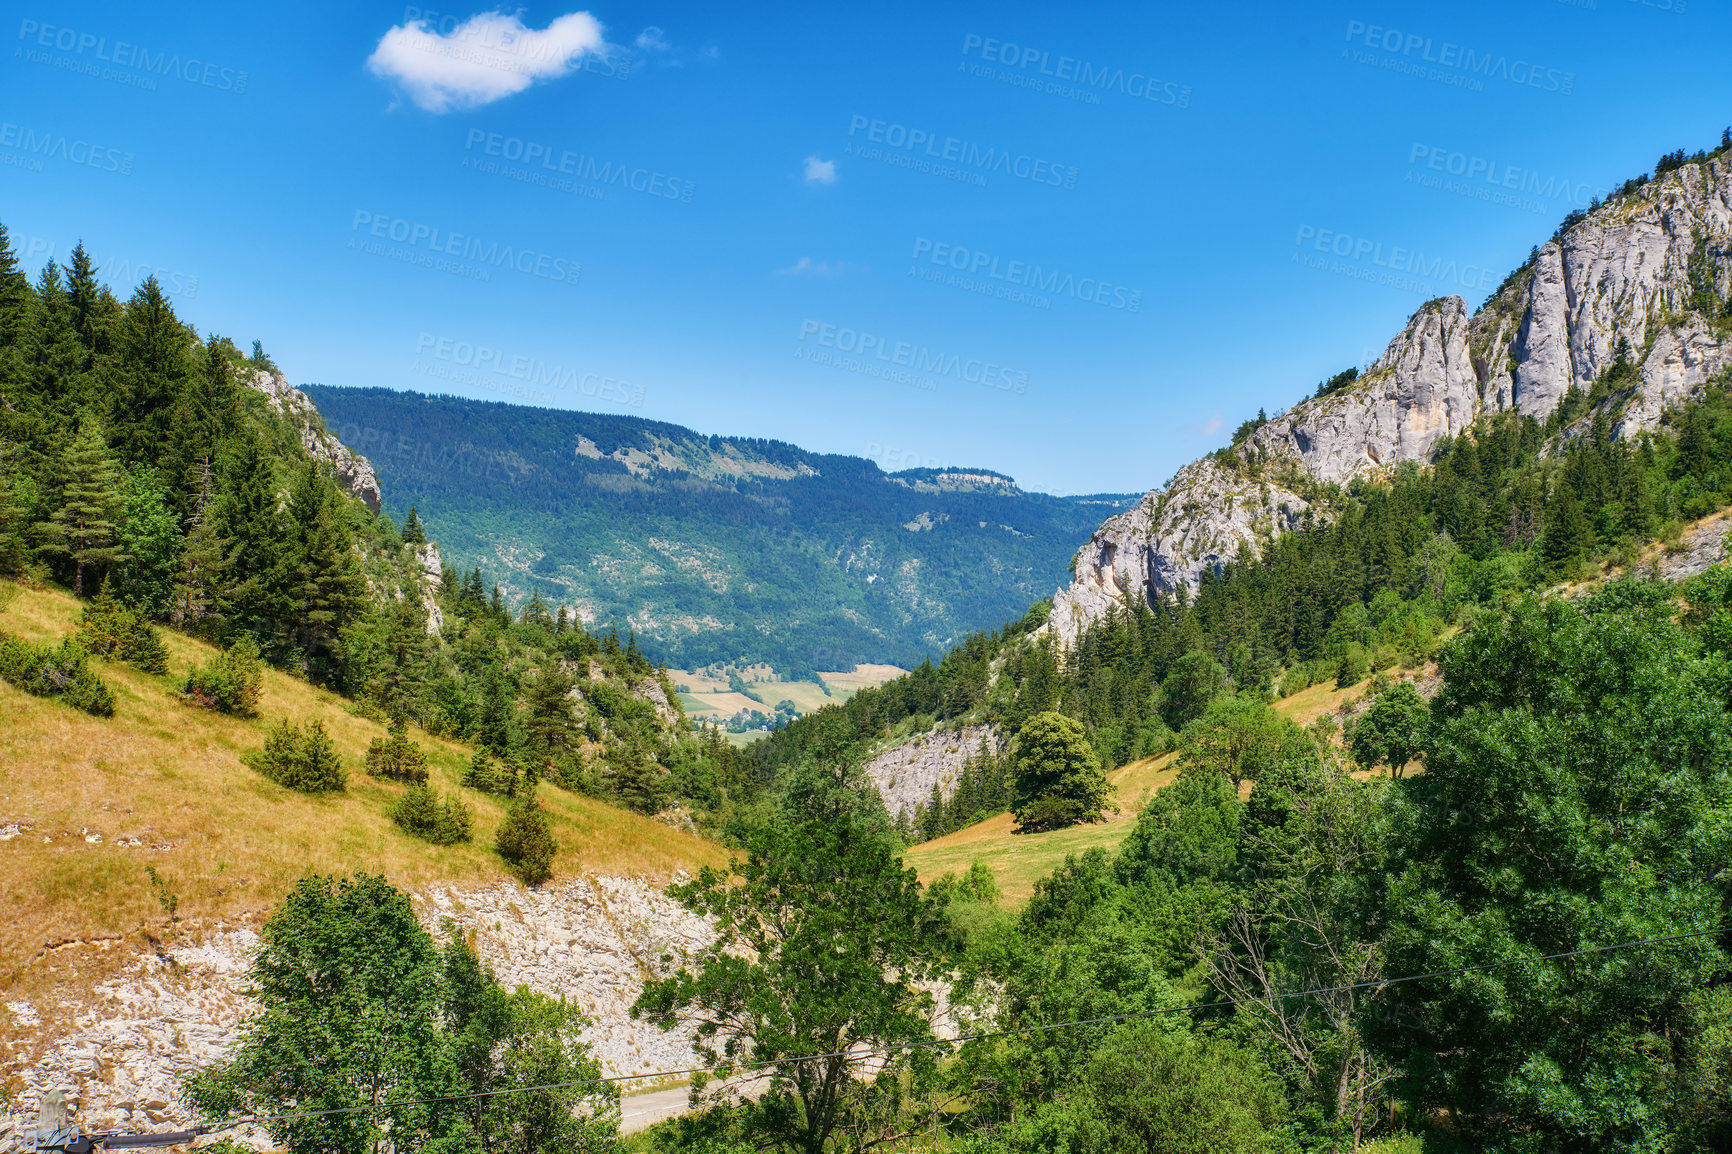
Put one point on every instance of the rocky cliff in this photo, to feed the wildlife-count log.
(1638, 274)
(906, 773)
(354, 473)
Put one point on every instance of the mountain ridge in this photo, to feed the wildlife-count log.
(711, 548)
(1632, 289)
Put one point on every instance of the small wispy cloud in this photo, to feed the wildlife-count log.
(820, 171)
(652, 39)
(1207, 428)
(488, 57)
(806, 266)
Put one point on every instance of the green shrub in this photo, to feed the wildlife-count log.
(397, 757)
(107, 628)
(420, 812)
(501, 776)
(525, 842)
(1297, 680)
(302, 759)
(231, 681)
(1353, 667)
(63, 673)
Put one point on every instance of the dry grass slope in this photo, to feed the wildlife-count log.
(91, 802)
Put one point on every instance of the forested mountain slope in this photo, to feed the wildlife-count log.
(716, 549)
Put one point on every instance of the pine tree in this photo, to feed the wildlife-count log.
(203, 556)
(85, 292)
(153, 351)
(493, 727)
(81, 528)
(14, 551)
(1568, 535)
(549, 726)
(14, 311)
(413, 534)
(329, 588)
(55, 361)
(403, 657)
(258, 593)
(206, 411)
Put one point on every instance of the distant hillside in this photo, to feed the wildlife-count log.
(716, 549)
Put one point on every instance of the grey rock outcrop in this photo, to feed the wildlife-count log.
(353, 472)
(1619, 281)
(432, 567)
(906, 773)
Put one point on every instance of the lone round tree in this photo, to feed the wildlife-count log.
(1058, 777)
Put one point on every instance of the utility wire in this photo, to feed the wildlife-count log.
(1009, 1031)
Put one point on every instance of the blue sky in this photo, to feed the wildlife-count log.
(1077, 247)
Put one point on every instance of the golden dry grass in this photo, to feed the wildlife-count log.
(1018, 860)
(169, 776)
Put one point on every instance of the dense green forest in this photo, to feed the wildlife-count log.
(719, 549)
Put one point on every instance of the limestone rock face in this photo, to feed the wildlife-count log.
(354, 473)
(1423, 388)
(1622, 278)
(906, 773)
(1199, 522)
(432, 573)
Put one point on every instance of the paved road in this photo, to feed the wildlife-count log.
(641, 1111)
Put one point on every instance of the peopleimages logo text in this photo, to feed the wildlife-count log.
(1069, 69)
(484, 361)
(916, 358)
(433, 240)
(1409, 262)
(126, 55)
(49, 146)
(1401, 48)
(565, 162)
(1025, 275)
(950, 150)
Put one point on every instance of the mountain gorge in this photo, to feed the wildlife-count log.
(716, 549)
(1622, 309)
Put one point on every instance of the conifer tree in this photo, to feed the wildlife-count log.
(82, 526)
(14, 310)
(13, 545)
(257, 595)
(55, 360)
(413, 533)
(153, 351)
(203, 557)
(329, 589)
(84, 293)
(1568, 536)
(549, 726)
(205, 412)
(493, 728)
(403, 659)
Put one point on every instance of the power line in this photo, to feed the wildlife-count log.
(1379, 983)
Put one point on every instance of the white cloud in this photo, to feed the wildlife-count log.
(488, 57)
(820, 171)
(1207, 428)
(652, 39)
(806, 266)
